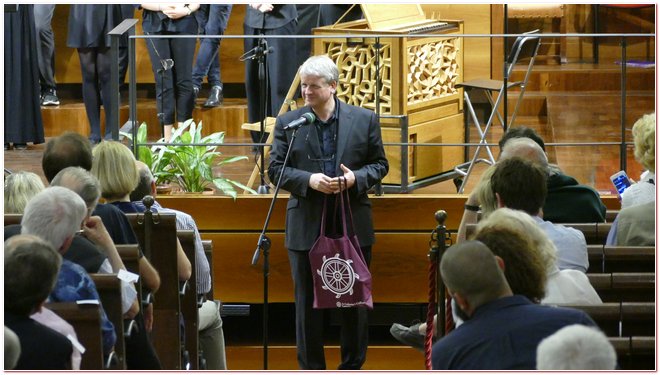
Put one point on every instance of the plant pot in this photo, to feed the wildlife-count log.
(164, 189)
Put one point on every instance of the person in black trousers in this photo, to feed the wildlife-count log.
(171, 59)
(269, 19)
(88, 29)
(43, 15)
(212, 20)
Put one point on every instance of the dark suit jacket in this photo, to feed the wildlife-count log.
(359, 147)
(41, 347)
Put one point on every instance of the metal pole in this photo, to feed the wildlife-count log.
(623, 151)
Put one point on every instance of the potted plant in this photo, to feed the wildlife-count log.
(188, 162)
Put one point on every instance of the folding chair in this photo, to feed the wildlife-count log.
(525, 46)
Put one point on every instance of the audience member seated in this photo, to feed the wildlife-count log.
(502, 330)
(74, 150)
(211, 336)
(87, 187)
(12, 349)
(643, 132)
(114, 166)
(576, 348)
(521, 185)
(31, 268)
(634, 226)
(530, 268)
(514, 236)
(19, 188)
(567, 200)
(55, 215)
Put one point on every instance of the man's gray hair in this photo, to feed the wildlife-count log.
(82, 182)
(54, 215)
(320, 66)
(576, 347)
(525, 148)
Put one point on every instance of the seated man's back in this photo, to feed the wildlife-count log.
(503, 335)
(569, 202)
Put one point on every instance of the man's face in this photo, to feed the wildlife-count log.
(316, 91)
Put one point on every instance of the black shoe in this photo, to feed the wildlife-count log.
(50, 98)
(20, 146)
(215, 97)
(7, 146)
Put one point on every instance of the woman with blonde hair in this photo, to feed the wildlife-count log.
(20, 187)
(644, 138)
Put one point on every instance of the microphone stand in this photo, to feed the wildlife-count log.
(263, 246)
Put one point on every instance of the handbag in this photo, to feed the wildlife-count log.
(339, 272)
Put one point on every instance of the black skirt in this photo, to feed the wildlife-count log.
(89, 25)
(22, 103)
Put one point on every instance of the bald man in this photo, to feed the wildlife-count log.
(502, 330)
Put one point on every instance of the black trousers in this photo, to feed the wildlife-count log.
(309, 321)
(174, 89)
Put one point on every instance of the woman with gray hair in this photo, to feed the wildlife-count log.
(20, 187)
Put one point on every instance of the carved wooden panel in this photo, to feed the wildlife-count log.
(433, 70)
(357, 74)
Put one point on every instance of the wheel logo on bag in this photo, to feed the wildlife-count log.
(337, 275)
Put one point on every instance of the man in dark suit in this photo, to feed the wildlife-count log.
(31, 268)
(343, 141)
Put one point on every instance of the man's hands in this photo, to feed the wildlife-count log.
(331, 185)
(175, 11)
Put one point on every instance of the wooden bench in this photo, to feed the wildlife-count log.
(624, 287)
(635, 352)
(604, 258)
(86, 321)
(621, 319)
(109, 289)
(610, 215)
(594, 233)
(11, 219)
(160, 248)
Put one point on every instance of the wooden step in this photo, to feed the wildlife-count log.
(284, 358)
(71, 115)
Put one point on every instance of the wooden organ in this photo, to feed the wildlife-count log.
(418, 74)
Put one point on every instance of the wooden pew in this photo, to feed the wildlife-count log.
(594, 233)
(86, 321)
(610, 215)
(189, 300)
(635, 352)
(13, 219)
(208, 251)
(621, 319)
(624, 287)
(160, 249)
(109, 289)
(621, 258)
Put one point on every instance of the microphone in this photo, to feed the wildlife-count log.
(167, 64)
(306, 118)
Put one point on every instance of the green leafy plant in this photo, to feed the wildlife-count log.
(189, 160)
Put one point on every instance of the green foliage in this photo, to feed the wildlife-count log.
(190, 166)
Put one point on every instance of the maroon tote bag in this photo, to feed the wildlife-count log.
(339, 272)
